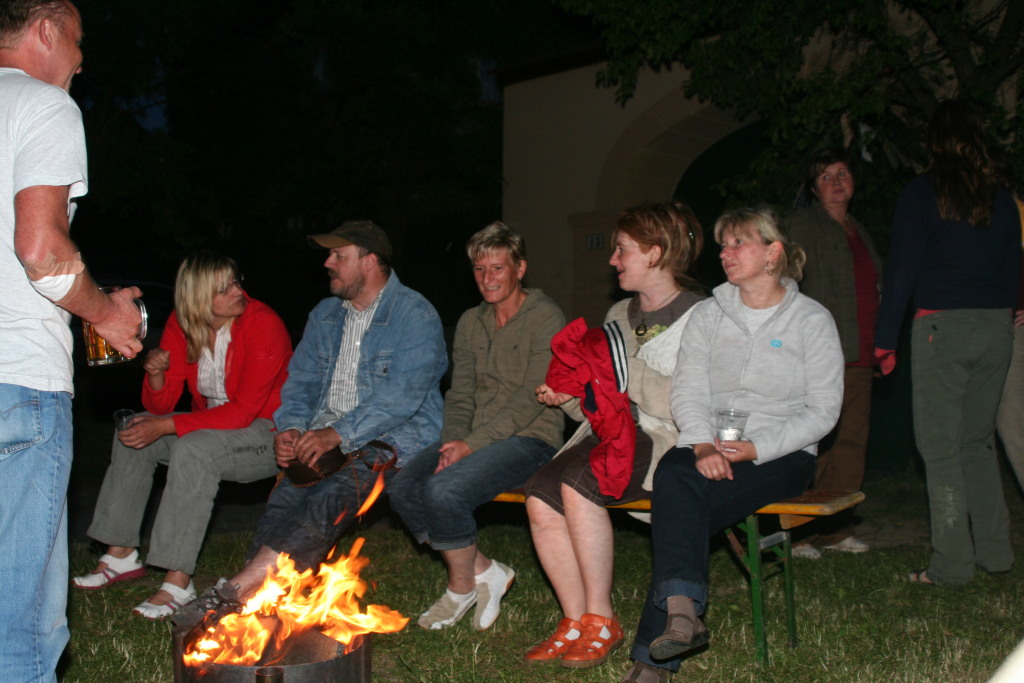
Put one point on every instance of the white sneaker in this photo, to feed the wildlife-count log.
(491, 585)
(850, 544)
(447, 610)
(806, 551)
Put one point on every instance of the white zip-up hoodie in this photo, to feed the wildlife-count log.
(788, 374)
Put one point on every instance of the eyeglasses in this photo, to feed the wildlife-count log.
(231, 284)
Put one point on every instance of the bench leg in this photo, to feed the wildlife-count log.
(787, 568)
(756, 569)
(752, 559)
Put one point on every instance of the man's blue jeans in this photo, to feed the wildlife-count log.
(35, 464)
(686, 510)
(307, 522)
(438, 508)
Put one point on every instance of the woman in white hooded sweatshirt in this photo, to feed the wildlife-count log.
(760, 346)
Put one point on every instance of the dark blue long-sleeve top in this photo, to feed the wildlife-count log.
(935, 264)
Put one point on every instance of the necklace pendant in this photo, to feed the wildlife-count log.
(640, 330)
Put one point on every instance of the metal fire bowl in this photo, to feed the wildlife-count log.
(315, 658)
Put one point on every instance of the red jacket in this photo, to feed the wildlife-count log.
(592, 365)
(256, 367)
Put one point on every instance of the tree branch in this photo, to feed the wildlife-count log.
(952, 39)
(1005, 55)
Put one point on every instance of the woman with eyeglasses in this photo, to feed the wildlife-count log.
(232, 353)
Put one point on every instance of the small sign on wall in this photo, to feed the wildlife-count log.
(595, 241)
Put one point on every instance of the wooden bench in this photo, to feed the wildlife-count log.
(791, 513)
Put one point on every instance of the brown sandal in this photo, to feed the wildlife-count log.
(640, 668)
(674, 642)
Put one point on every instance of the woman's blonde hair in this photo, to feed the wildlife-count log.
(495, 239)
(762, 221)
(200, 277)
(672, 227)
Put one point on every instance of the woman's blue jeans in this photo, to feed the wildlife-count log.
(686, 510)
(35, 464)
(438, 508)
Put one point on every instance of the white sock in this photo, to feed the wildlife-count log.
(490, 571)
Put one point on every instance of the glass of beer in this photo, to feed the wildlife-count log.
(97, 350)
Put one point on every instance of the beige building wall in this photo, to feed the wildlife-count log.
(574, 158)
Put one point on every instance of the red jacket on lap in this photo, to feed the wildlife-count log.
(591, 365)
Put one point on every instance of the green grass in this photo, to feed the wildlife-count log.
(858, 619)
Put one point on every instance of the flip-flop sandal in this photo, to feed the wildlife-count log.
(179, 597)
(117, 569)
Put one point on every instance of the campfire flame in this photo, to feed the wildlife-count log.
(375, 492)
(290, 602)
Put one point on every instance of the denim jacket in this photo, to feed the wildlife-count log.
(402, 360)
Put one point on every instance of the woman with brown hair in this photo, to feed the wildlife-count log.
(955, 257)
(843, 274)
(655, 245)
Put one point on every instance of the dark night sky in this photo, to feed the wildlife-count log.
(244, 126)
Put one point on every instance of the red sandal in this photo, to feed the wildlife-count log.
(592, 648)
(554, 647)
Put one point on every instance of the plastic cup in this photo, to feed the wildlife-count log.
(731, 423)
(123, 419)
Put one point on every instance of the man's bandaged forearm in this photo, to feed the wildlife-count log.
(54, 279)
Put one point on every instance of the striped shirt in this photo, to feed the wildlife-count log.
(343, 396)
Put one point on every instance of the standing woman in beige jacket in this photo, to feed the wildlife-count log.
(843, 273)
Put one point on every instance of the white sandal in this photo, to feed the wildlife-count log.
(179, 597)
(117, 569)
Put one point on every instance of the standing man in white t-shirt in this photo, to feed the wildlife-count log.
(42, 170)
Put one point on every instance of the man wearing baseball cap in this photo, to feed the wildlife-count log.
(364, 380)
